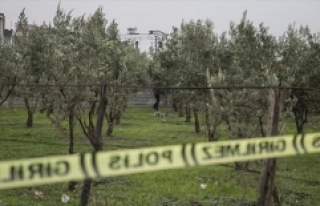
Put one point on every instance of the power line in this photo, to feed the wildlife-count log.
(169, 87)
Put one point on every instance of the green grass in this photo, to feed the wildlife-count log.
(139, 128)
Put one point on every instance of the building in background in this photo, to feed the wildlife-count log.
(2, 26)
(8, 35)
(143, 41)
(5, 34)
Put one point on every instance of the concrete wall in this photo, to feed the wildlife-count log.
(146, 98)
(143, 98)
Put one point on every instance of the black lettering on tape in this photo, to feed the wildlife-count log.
(61, 168)
(152, 158)
(193, 154)
(114, 163)
(167, 154)
(229, 150)
(302, 143)
(130, 160)
(83, 165)
(140, 161)
(294, 142)
(251, 149)
(48, 170)
(184, 156)
(42, 170)
(316, 142)
(263, 146)
(35, 169)
(94, 164)
(15, 173)
(206, 151)
(235, 150)
(272, 146)
(126, 161)
(143, 159)
(221, 151)
(281, 146)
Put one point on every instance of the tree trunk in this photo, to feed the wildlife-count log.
(196, 120)
(299, 126)
(208, 119)
(117, 117)
(71, 130)
(214, 134)
(267, 178)
(10, 89)
(117, 114)
(112, 115)
(110, 127)
(118, 109)
(72, 184)
(188, 113)
(85, 193)
(180, 107)
(175, 104)
(29, 122)
(212, 131)
(97, 143)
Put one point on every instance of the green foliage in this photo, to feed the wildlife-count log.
(10, 62)
(81, 51)
(245, 56)
(69, 55)
(22, 25)
(252, 57)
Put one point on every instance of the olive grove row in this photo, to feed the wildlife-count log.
(82, 59)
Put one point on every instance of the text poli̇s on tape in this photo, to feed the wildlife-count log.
(36, 171)
(45, 170)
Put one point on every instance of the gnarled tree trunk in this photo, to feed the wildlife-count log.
(94, 134)
(212, 126)
(120, 109)
(267, 178)
(111, 116)
(110, 126)
(196, 120)
(72, 184)
(30, 111)
(29, 122)
(175, 104)
(180, 108)
(188, 113)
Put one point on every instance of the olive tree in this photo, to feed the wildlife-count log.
(189, 51)
(126, 66)
(34, 48)
(10, 65)
(12, 61)
(254, 61)
(301, 51)
(110, 63)
(65, 79)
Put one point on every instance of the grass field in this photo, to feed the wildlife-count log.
(139, 128)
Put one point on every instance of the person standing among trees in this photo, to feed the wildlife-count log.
(157, 94)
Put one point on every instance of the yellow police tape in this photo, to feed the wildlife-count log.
(45, 170)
